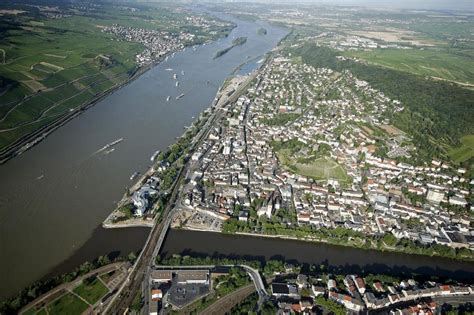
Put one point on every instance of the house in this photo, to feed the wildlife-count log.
(243, 216)
(302, 281)
(192, 276)
(156, 295)
(332, 285)
(284, 289)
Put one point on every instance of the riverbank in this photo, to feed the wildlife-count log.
(30, 140)
(335, 258)
(118, 219)
(104, 274)
(349, 244)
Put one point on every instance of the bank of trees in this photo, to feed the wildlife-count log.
(25, 296)
(343, 236)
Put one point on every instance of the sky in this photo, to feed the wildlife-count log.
(467, 5)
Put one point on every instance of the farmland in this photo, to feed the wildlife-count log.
(436, 63)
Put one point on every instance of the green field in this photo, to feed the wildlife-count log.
(54, 65)
(67, 304)
(439, 63)
(91, 292)
(465, 151)
(38, 69)
(322, 168)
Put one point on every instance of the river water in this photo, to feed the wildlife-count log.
(54, 197)
(335, 258)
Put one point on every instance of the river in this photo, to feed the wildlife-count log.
(335, 258)
(55, 196)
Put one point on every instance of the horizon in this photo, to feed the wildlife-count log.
(387, 4)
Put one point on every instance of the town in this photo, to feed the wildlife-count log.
(312, 147)
(294, 289)
(158, 44)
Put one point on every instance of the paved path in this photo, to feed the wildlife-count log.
(68, 286)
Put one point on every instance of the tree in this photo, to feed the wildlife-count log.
(103, 260)
(132, 257)
(389, 239)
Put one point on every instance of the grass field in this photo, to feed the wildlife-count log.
(91, 292)
(320, 169)
(32, 311)
(465, 151)
(452, 66)
(67, 304)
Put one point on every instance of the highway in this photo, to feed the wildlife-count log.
(131, 287)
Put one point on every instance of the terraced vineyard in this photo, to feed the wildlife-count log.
(53, 65)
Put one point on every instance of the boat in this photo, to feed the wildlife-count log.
(107, 146)
(153, 157)
(110, 150)
(169, 69)
(177, 83)
(168, 98)
(40, 177)
(260, 61)
(182, 72)
(179, 96)
(134, 175)
(175, 76)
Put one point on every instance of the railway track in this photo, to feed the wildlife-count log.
(124, 297)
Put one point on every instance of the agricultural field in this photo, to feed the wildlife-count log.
(91, 290)
(50, 66)
(435, 63)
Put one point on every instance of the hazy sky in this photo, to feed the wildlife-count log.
(408, 4)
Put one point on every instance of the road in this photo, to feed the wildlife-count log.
(126, 293)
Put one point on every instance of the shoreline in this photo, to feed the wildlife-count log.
(317, 241)
(30, 140)
(107, 222)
